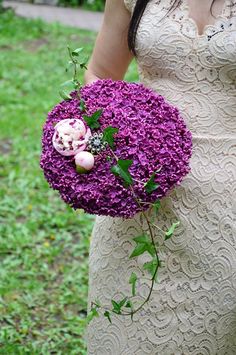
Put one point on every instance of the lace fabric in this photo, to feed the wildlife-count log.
(192, 310)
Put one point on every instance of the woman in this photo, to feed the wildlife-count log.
(186, 51)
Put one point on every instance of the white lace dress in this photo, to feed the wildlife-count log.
(192, 309)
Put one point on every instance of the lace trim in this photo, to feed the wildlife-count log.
(225, 14)
(228, 9)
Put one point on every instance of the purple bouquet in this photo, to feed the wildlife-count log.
(119, 144)
(115, 148)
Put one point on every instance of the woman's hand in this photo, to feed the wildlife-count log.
(111, 55)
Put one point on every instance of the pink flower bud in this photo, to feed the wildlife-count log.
(70, 136)
(84, 161)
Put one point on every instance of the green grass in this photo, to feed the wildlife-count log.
(44, 244)
(92, 5)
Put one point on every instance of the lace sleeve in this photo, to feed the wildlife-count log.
(130, 4)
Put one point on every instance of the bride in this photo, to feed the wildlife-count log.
(186, 51)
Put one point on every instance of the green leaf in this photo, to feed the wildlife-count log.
(157, 205)
(108, 135)
(93, 313)
(66, 88)
(107, 314)
(82, 105)
(170, 232)
(121, 170)
(143, 244)
(151, 266)
(139, 249)
(83, 66)
(150, 185)
(132, 281)
(129, 304)
(64, 95)
(97, 303)
(77, 51)
(116, 307)
(115, 304)
(122, 302)
(141, 238)
(92, 121)
(70, 63)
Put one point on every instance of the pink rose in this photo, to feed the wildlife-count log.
(70, 136)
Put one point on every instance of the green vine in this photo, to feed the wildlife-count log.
(145, 243)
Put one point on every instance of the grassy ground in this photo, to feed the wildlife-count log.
(91, 5)
(43, 243)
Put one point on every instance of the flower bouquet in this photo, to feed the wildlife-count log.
(116, 148)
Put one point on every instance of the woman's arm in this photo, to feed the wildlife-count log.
(111, 56)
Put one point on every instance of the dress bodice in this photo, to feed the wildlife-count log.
(196, 73)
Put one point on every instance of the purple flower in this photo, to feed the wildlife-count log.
(152, 133)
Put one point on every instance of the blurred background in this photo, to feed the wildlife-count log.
(44, 245)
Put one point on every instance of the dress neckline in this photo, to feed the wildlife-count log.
(186, 11)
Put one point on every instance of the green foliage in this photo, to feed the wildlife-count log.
(44, 244)
(117, 306)
(121, 170)
(129, 304)
(76, 51)
(144, 244)
(108, 135)
(151, 266)
(132, 281)
(82, 105)
(66, 88)
(93, 5)
(170, 232)
(107, 314)
(92, 121)
(93, 313)
(156, 206)
(78, 64)
(150, 185)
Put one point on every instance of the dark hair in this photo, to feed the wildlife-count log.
(139, 9)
